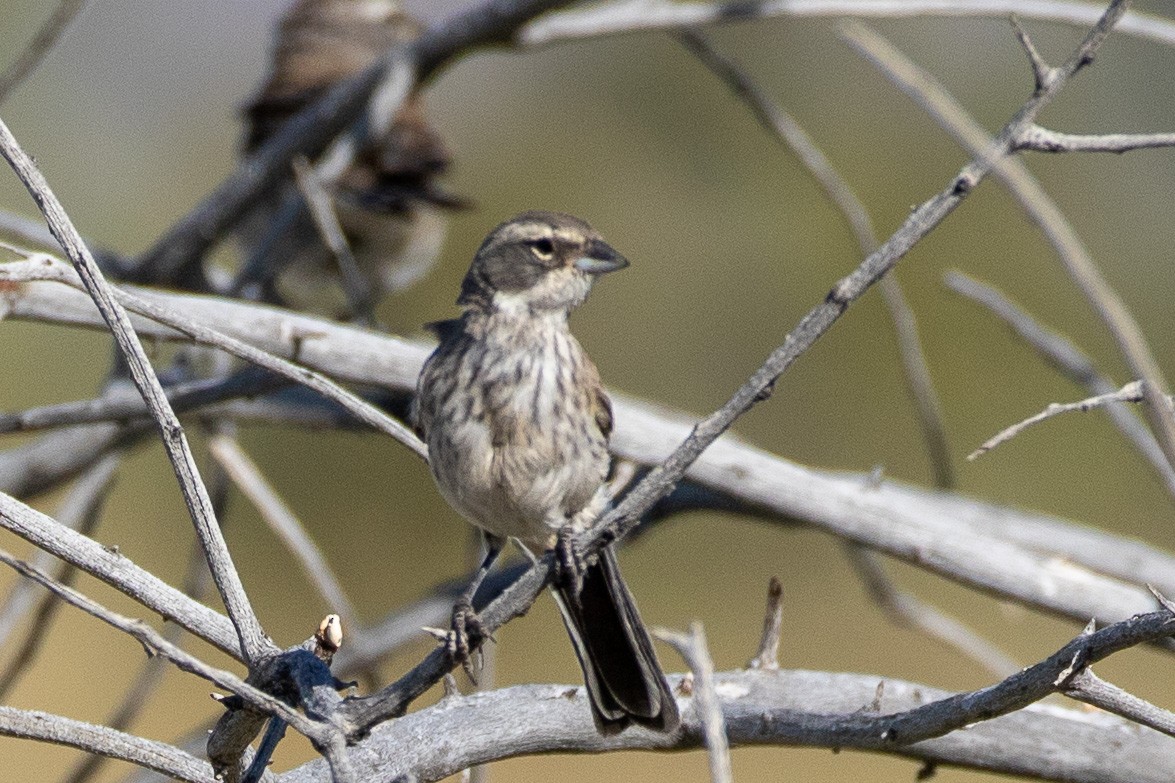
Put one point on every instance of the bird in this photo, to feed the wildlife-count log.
(389, 202)
(517, 424)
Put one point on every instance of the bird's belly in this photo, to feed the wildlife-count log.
(520, 488)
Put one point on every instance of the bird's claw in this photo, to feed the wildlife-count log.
(570, 561)
(463, 642)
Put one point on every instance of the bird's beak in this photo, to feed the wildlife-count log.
(600, 259)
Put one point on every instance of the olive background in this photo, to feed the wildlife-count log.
(133, 118)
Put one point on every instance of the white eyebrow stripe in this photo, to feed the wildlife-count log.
(569, 235)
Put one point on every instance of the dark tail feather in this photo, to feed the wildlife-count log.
(625, 683)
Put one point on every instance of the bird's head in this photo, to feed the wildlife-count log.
(538, 262)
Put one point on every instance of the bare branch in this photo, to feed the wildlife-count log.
(326, 220)
(155, 643)
(46, 268)
(1131, 392)
(182, 247)
(1070, 361)
(1088, 687)
(120, 403)
(629, 16)
(253, 641)
(247, 476)
(803, 708)
(149, 754)
(108, 565)
(1040, 139)
(27, 231)
(197, 584)
(904, 609)
(40, 46)
(768, 655)
(692, 648)
(786, 130)
(1035, 202)
(81, 510)
(364, 712)
(1047, 562)
(1041, 71)
(909, 611)
(74, 513)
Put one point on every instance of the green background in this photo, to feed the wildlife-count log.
(133, 119)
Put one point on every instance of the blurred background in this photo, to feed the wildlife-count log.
(134, 117)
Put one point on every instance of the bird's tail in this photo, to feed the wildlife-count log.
(625, 683)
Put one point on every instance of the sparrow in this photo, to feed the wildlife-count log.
(388, 202)
(517, 425)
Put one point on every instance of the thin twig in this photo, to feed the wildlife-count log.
(630, 16)
(1040, 139)
(148, 754)
(41, 45)
(1087, 687)
(248, 477)
(183, 246)
(254, 642)
(778, 708)
(156, 644)
(1131, 392)
(47, 268)
(81, 511)
(908, 611)
(768, 654)
(1041, 72)
(1036, 203)
(1063, 355)
(197, 585)
(73, 511)
(326, 221)
(903, 608)
(109, 565)
(120, 403)
(1050, 563)
(693, 649)
(786, 130)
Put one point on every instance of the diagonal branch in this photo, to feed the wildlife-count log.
(1070, 361)
(155, 644)
(42, 43)
(904, 608)
(1037, 204)
(116, 570)
(249, 479)
(182, 247)
(252, 637)
(148, 754)
(364, 712)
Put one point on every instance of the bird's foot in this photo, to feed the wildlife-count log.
(465, 637)
(570, 561)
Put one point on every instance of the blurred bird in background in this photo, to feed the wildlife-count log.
(389, 204)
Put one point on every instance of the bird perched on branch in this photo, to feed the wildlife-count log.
(388, 202)
(517, 424)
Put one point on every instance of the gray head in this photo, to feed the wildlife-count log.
(537, 261)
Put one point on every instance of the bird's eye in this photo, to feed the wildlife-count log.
(543, 248)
